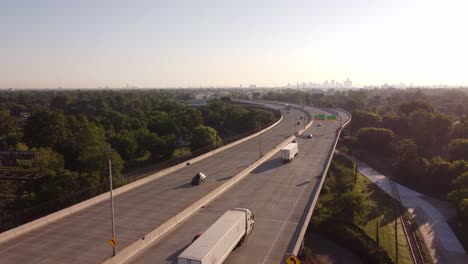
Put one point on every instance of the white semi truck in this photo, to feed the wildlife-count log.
(215, 244)
(289, 151)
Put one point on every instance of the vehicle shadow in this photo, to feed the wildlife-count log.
(173, 258)
(184, 186)
(269, 165)
(302, 183)
(225, 178)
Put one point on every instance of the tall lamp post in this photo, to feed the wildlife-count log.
(260, 139)
(113, 243)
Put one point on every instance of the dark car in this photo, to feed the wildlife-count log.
(199, 178)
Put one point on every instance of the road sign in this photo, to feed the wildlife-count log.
(17, 161)
(113, 242)
(331, 117)
(293, 260)
(319, 117)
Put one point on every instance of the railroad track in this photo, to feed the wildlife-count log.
(406, 224)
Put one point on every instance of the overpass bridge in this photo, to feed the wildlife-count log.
(277, 194)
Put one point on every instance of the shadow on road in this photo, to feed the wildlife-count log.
(184, 186)
(173, 258)
(269, 165)
(302, 183)
(225, 178)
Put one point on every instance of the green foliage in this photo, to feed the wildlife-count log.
(340, 205)
(407, 151)
(94, 159)
(8, 124)
(49, 161)
(396, 123)
(364, 119)
(462, 180)
(204, 136)
(125, 144)
(375, 138)
(460, 129)
(410, 107)
(46, 129)
(458, 149)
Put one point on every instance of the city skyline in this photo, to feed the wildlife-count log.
(151, 44)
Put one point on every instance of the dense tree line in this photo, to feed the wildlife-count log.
(75, 132)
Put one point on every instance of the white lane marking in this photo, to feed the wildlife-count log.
(289, 215)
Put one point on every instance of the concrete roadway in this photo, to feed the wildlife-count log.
(277, 194)
(82, 237)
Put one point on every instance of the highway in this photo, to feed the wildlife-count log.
(83, 237)
(275, 192)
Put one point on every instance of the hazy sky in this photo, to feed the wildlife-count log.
(99, 43)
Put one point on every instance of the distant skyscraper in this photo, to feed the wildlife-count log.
(326, 84)
(348, 83)
(332, 84)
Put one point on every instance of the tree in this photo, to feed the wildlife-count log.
(407, 151)
(408, 108)
(46, 129)
(458, 149)
(461, 181)
(125, 144)
(204, 136)
(56, 186)
(374, 138)
(8, 124)
(49, 161)
(439, 176)
(61, 102)
(460, 129)
(441, 125)
(420, 125)
(364, 119)
(396, 123)
(95, 159)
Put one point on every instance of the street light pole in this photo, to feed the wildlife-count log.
(112, 204)
(260, 140)
(295, 123)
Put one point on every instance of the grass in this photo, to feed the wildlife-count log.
(383, 213)
(181, 152)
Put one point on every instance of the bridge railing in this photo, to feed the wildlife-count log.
(297, 240)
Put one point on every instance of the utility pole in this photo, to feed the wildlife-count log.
(295, 124)
(111, 204)
(396, 240)
(260, 140)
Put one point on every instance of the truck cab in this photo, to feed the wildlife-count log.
(250, 223)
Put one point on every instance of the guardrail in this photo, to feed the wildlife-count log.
(414, 248)
(307, 215)
(17, 231)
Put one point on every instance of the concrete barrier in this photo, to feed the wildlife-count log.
(12, 233)
(310, 209)
(144, 242)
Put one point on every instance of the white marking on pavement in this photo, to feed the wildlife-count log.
(289, 215)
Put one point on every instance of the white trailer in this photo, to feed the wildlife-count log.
(215, 244)
(289, 151)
